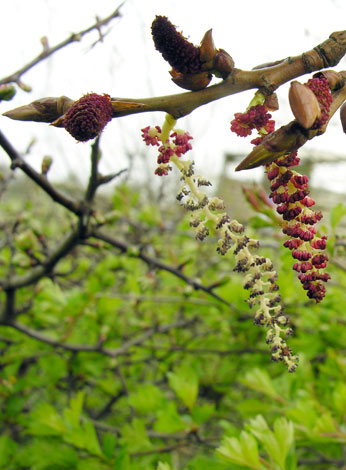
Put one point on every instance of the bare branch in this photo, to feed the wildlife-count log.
(153, 262)
(120, 351)
(219, 352)
(266, 79)
(46, 267)
(41, 180)
(93, 179)
(48, 51)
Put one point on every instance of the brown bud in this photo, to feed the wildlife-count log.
(44, 42)
(343, 116)
(193, 82)
(304, 104)
(271, 102)
(223, 64)
(335, 80)
(44, 110)
(46, 164)
(284, 140)
(207, 48)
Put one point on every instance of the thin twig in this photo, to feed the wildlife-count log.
(48, 51)
(18, 162)
(153, 262)
(163, 299)
(184, 443)
(46, 267)
(93, 178)
(120, 351)
(219, 352)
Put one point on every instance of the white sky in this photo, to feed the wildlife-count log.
(126, 65)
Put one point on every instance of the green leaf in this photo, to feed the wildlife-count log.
(45, 421)
(339, 398)
(304, 414)
(163, 466)
(91, 443)
(122, 460)
(202, 413)
(185, 384)
(7, 449)
(325, 424)
(202, 462)
(291, 460)
(259, 222)
(278, 443)
(44, 454)
(147, 399)
(284, 434)
(259, 380)
(84, 437)
(242, 451)
(108, 444)
(72, 414)
(134, 436)
(169, 420)
(336, 214)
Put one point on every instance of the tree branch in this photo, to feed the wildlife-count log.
(48, 51)
(41, 180)
(266, 79)
(153, 262)
(197, 351)
(15, 282)
(93, 178)
(120, 351)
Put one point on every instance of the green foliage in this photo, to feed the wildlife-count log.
(185, 384)
(336, 214)
(132, 368)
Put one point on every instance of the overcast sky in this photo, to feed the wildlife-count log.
(126, 65)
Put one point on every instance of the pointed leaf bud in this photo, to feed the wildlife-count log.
(207, 48)
(193, 82)
(280, 142)
(44, 110)
(343, 116)
(304, 104)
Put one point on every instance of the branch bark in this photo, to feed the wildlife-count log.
(41, 180)
(266, 79)
(32, 276)
(153, 262)
(115, 352)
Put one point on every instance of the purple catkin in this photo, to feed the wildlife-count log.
(290, 193)
(88, 116)
(183, 56)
